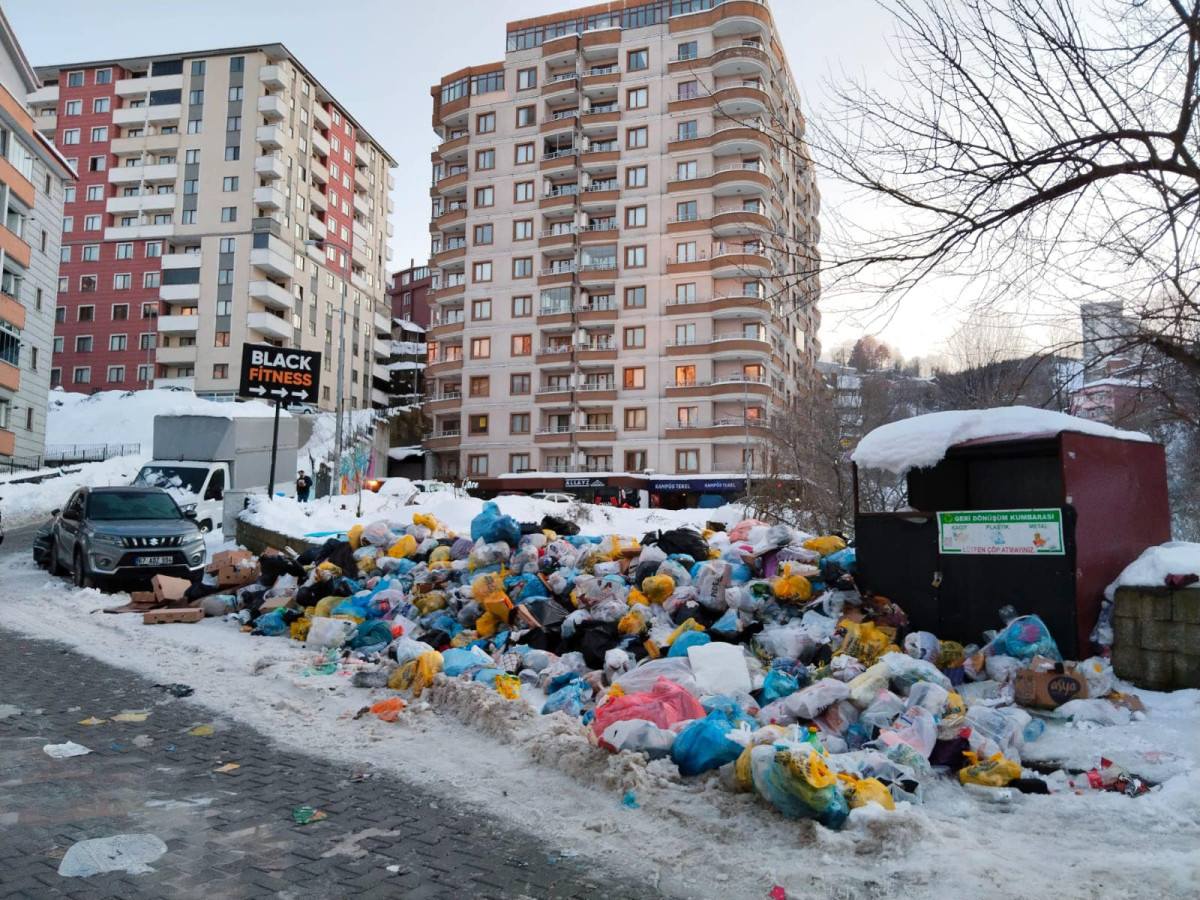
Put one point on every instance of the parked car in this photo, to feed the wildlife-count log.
(41, 544)
(1, 528)
(555, 496)
(106, 535)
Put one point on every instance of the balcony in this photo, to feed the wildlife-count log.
(320, 117)
(442, 440)
(176, 356)
(443, 366)
(12, 311)
(741, 178)
(316, 227)
(178, 383)
(381, 349)
(43, 95)
(383, 324)
(746, 98)
(178, 324)
(273, 77)
(136, 232)
(270, 325)
(320, 144)
(151, 203)
(445, 402)
(273, 295)
(181, 261)
(271, 262)
(270, 167)
(739, 220)
(361, 206)
(734, 261)
(179, 293)
(137, 174)
(270, 136)
(143, 143)
(360, 180)
(558, 434)
(272, 107)
(268, 197)
(728, 427)
(46, 123)
(10, 376)
(139, 87)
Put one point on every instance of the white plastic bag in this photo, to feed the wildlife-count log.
(719, 668)
(928, 696)
(866, 687)
(1098, 710)
(639, 736)
(915, 727)
(326, 632)
(805, 704)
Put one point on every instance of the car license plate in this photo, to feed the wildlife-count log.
(155, 560)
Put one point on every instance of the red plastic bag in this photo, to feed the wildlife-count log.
(665, 705)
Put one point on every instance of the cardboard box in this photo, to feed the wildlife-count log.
(163, 616)
(1050, 690)
(168, 589)
(228, 559)
(270, 603)
(236, 576)
(143, 598)
(1130, 701)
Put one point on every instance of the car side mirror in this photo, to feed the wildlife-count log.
(55, 512)
(189, 514)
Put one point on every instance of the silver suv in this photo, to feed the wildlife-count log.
(117, 534)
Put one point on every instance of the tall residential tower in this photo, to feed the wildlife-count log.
(624, 234)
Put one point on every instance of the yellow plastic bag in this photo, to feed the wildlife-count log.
(499, 606)
(658, 588)
(950, 654)
(793, 589)
(826, 545)
(488, 624)
(354, 536)
(427, 603)
(403, 548)
(861, 791)
(741, 772)
(637, 598)
(428, 520)
(864, 641)
(508, 687)
(686, 626)
(417, 674)
(328, 568)
(440, 555)
(953, 717)
(300, 628)
(994, 772)
(811, 768)
(633, 622)
(487, 585)
(326, 605)
(462, 639)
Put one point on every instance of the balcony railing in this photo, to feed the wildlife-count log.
(606, 304)
(445, 395)
(560, 269)
(566, 76)
(555, 309)
(559, 154)
(609, 185)
(564, 114)
(598, 386)
(602, 70)
(600, 108)
(603, 147)
(563, 190)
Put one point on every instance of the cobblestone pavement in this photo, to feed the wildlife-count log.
(231, 835)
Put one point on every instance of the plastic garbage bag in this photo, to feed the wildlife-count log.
(719, 668)
(326, 632)
(827, 545)
(788, 642)
(1098, 710)
(568, 699)
(703, 744)
(1097, 671)
(864, 641)
(882, 711)
(646, 675)
(922, 645)
(866, 687)
(800, 785)
(666, 704)
(406, 649)
(861, 791)
(915, 727)
(417, 674)
(995, 771)
(778, 684)
(492, 526)
(370, 633)
(906, 671)
(928, 696)
(686, 641)
(805, 704)
(1024, 638)
(639, 736)
(457, 660)
(1006, 730)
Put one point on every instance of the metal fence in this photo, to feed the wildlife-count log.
(63, 454)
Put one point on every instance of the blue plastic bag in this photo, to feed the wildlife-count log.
(702, 745)
(569, 699)
(777, 684)
(493, 526)
(487, 676)
(796, 798)
(729, 708)
(1024, 638)
(372, 631)
(457, 660)
(271, 624)
(688, 639)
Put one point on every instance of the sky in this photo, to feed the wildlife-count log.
(381, 57)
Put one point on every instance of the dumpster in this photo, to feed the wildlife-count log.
(1043, 521)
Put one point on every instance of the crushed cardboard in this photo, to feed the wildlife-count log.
(187, 615)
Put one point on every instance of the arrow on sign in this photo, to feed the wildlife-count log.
(260, 390)
(281, 393)
(299, 393)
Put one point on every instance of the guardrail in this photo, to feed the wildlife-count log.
(60, 454)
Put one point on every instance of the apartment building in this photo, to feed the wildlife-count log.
(624, 224)
(203, 178)
(409, 294)
(33, 177)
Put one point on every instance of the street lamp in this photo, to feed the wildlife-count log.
(341, 362)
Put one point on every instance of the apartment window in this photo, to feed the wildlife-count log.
(58, 344)
(233, 123)
(224, 276)
(70, 136)
(687, 415)
(686, 211)
(228, 213)
(687, 460)
(519, 384)
(685, 252)
(64, 284)
(637, 60)
(81, 375)
(483, 234)
(635, 217)
(635, 338)
(124, 251)
(229, 183)
(524, 153)
(481, 309)
(523, 191)
(635, 460)
(73, 108)
(636, 138)
(635, 297)
(91, 223)
(237, 64)
(477, 424)
(151, 280)
(220, 371)
(526, 79)
(147, 342)
(635, 257)
(479, 386)
(634, 378)
(481, 271)
(685, 334)
(481, 348)
(91, 252)
(485, 159)
(522, 306)
(685, 376)
(477, 465)
(523, 229)
(689, 50)
(221, 339)
(519, 462)
(686, 170)
(196, 98)
(522, 344)
(74, 79)
(104, 76)
(484, 196)
(523, 267)
(69, 194)
(187, 217)
(64, 254)
(233, 154)
(518, 423)
(195, 126)
(117, 342)
(689, 90)
(686, 131)
(60, 314)
(38, 300)
(526, 115)
(635, 419)
(227, 245)
(635, 177)
(198, 67)
(153, 249)
(120, 312)
(121, 281)
(83, 343)
(485, 123)
(191, 186)
(235, 92)
(637, 98)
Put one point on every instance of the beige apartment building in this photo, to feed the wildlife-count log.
(623, 230)
(202, 177)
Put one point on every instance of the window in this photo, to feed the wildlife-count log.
(221, 339)
(60, 314)
(477, 465)
(229, 183)
(195, 126)
(635, 460)
(233, 123)
(481, 309)
(687, 415)
(83, 343)
(232, 154)
(70, 136)
(687, 460)
(69, 194)
(91, 223)
(685, 252)
(635, 419)
(481, 348)
(685, 334)
(117, 342)
(198, 67)
(481, 271)
(635, 338)
(58, 344)
(227, 245)
(74, 79)
(145, 372)
(224, 276)
(73, 108)
(196, 98)
(635, 177)
(121, 281)
(637, 98)
(634, 378)
(483, 234)
(477, 424)
(228, 213)
(124, 251)
(237, 64)
(519, 384)
(191, 186)
(518, 423)
(686, 131)
(635, 217)
(485, 159)
(235, 92)
(635, 297)
(153, 249)
(104, 76)
(689, 50)
(523, 267)
(522, 344)
(522, 306)
(519, 462)
(636, 138)
(524, 153)
(523, 191)
(523, 229)
(91, 252)
(484, 196)
(635, 257)
(148, 342)
(479, 386)
(685, 376)
(637, 59)
(81, 375)
(686, 211)
(689, 90)
(485, 123)
(220, 371)
(526, 115)
(64, 284)
(686, 170)
(526, 79)
(64, 254)
(120, 312)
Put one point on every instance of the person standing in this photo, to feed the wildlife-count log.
(303, 486)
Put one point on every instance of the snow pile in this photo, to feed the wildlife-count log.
(923, 440)
(127, 417)
(24, 502)
(321, 443)
(1155, 564)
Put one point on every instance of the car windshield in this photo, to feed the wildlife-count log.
(132, 505)
(187, 478)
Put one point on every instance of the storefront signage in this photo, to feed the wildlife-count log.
(584, 483)
(720, 484)
(1033, 532)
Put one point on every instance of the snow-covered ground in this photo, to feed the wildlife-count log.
(690, 836)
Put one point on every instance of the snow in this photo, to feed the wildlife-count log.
(1155, 564)
(24, 503)
(404, 366)
(688, 837)
(923, 440)
(407, 348)
(409, 325)
(403, 453)
(321, 442)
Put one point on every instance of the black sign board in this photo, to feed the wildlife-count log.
(278, 374)
(584, 483)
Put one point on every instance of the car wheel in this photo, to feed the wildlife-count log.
(81, 577)
(206, 526)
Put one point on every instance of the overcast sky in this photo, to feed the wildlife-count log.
(380, 57)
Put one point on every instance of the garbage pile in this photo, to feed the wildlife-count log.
(749, 652)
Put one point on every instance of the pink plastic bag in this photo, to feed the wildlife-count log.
(665, 705)
(741, 530)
